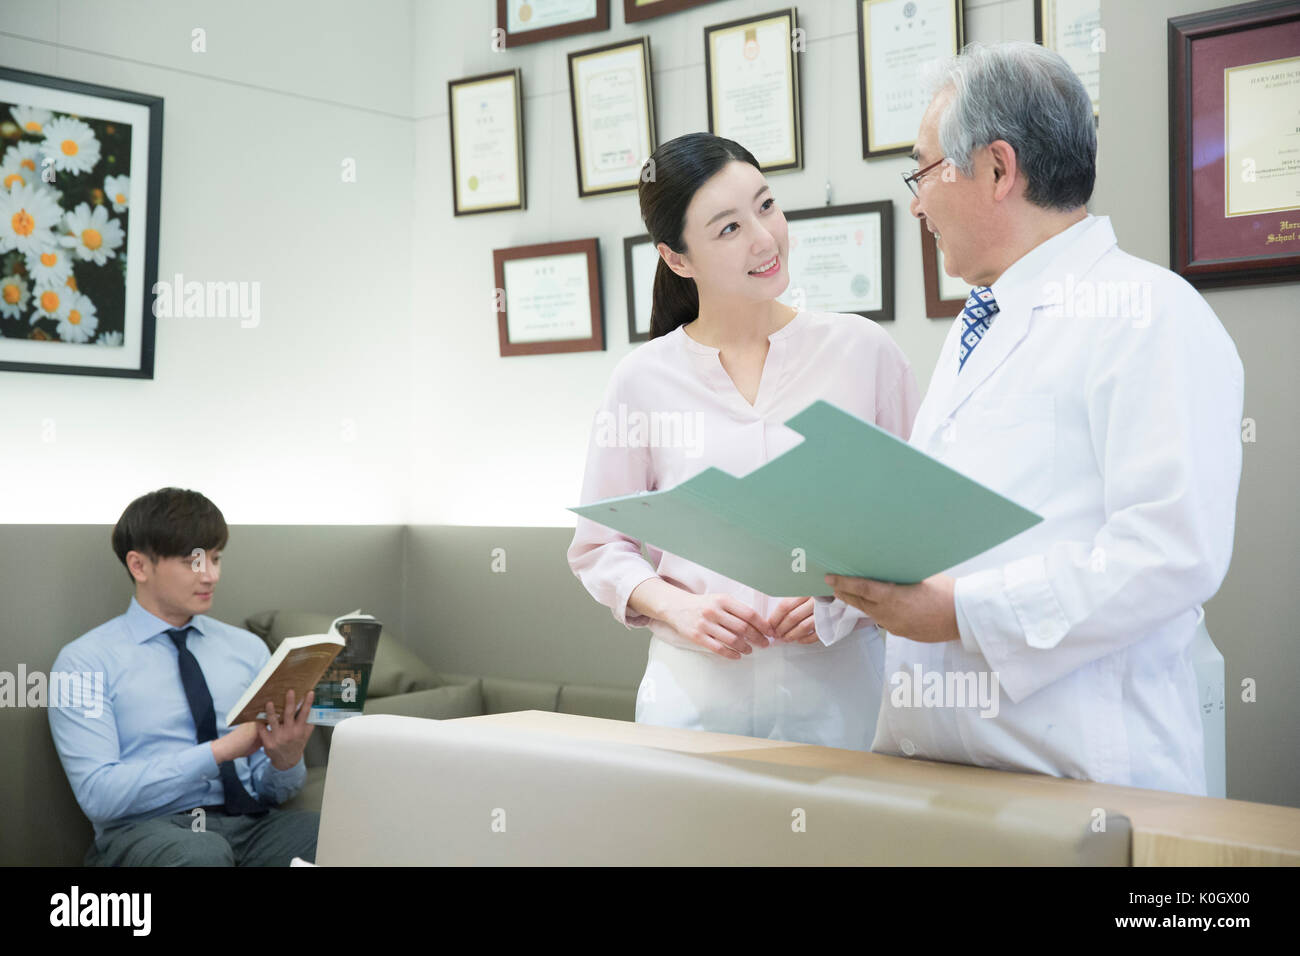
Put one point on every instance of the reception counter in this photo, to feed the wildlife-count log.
(536, 787)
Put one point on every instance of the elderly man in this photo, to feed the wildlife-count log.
(1094, 388)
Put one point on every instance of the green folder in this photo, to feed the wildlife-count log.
(850, 499)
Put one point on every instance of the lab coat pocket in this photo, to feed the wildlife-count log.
(1013, 441)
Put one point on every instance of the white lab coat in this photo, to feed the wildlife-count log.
(1124, 434)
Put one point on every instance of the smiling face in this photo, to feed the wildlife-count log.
(956, 208)
(175, 588)
(736, 238)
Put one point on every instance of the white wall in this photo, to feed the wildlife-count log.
(377, 342)
(255, 131)
(1253, 617)
(503, 441)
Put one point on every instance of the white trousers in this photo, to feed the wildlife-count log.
(806, 693)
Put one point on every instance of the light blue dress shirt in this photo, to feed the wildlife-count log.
(133, 755)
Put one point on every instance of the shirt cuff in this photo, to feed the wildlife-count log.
(627, 616)
(1009, 610)
(284, 776)
(964, 628)
(201, 762)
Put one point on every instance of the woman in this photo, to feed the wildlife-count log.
(731, 363)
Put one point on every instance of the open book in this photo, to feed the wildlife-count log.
(336, 665)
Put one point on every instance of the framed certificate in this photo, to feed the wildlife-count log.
(1073, 29)
(753, 87)
(842, 260)
(896, 38)
(548, 298)
(640, 262)
(945, 296)
(1234, 144)
(612, 107)
(634, 10)
(532, 21)
(82, 183)
(487, 142)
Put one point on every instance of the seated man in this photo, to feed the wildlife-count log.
(154, 766)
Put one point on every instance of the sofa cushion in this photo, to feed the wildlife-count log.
(614, 703)
(437, 703)
(503, 695)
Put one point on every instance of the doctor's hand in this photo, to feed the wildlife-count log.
(924, 612)
(719, 623)
(792, 621)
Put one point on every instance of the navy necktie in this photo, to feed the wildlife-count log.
(977, 315)
(238, 800)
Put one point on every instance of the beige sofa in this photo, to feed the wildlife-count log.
(402, 684)
(55, 832)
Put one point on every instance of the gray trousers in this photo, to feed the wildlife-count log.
(224, 840)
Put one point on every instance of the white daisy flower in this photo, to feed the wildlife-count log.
(19, 166)
(52, 302)
(92, 235)
(31, 119)
(72, 144)
(13, 296)
(117, 189)
(51, 265)
(28, 216)
(81, 320)
(109, 338)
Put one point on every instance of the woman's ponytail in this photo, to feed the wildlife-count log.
(676, 301)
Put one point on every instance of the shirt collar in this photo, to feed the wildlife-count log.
(141, 625)
(1021, 283)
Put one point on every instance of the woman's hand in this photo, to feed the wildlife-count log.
(719, 623)
(792, 621)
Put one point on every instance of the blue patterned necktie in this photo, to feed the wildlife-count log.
(238, 800)
(977, 314)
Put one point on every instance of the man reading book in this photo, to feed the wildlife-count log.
(154, 766)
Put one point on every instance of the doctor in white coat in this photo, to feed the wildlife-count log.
(1098, 390)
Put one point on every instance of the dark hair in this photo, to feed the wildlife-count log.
(169, 523)
(677, 169)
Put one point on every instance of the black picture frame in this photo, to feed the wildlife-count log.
(885, 209)
(630, 245)
(1044, 13)
(794, 96)
(459, 208)
(44, 94)
(864, 98)
(643, 44)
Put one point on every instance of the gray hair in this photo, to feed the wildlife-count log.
(1027, 95)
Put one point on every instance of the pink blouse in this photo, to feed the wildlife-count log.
(671, 410)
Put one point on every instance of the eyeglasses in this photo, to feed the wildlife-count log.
(915, 175)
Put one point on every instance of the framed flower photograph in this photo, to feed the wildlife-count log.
(80, 181)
